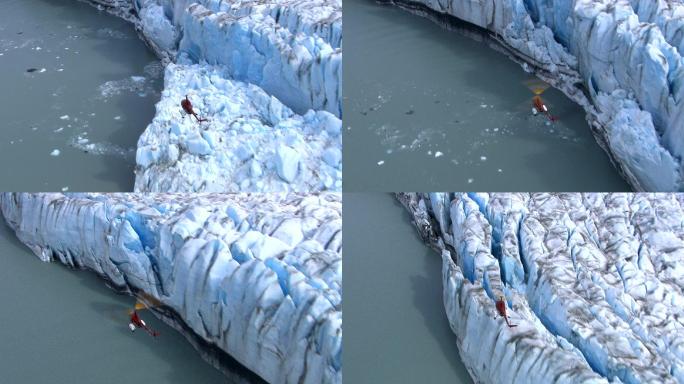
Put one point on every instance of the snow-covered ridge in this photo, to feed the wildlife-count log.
(595, 283)
(257, 275)
(290, 50)
(620, 59)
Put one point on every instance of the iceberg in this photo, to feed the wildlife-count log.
(229, 57)
(593, 282)
(257, 276)
(621, 60)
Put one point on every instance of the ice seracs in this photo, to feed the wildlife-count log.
(257, 275)
(251, 141)
(289, 51)
(593, 281)
(621, 60)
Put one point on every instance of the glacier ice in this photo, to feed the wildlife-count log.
(595, 283)
(252, 142)
(235, 54)
(620, 59)
(256, 275)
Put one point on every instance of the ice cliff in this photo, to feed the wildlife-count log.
(594, 282)
(231, 56)
(620, 59)
(256, 275)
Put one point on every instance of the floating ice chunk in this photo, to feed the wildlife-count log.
(381, 162)
(439, 154)
(60, 129)
(55, 152)
(64, 189)
(42, 70)
(483, 158)
(117, 117)
(64, 117)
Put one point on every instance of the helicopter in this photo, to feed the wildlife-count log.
(538, 106)
(144, 301)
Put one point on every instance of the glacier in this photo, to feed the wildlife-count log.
(594, 282)
(252, 142)
(227, 57)
(620, 59)
(258, 276)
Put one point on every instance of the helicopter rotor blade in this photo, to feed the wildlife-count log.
(145, 301)
(536, 85)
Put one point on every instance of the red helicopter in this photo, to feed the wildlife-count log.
(501, 308)
(187, 107)
(135, 320)
(538, 106)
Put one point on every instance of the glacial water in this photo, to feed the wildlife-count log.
(64, 326)
(395, 326)
(427, 108)
(78, 89)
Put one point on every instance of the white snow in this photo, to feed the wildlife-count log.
(627, 56)
(257, 275)
(593, 281)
